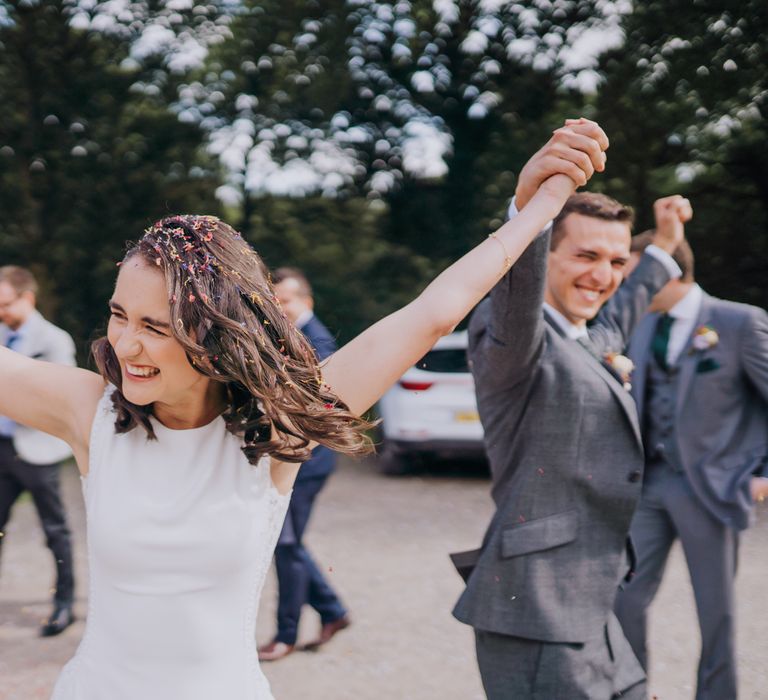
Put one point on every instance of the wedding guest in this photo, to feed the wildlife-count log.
(30, 460)
(192, 432)
(563, 441)
(299, 581)
(701, 386)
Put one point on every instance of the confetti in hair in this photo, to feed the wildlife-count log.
(225, 315)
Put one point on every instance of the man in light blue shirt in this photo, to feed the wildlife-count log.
(30, 460)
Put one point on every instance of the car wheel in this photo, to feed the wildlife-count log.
(391, 460)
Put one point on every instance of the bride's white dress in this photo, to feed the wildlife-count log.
(181, 532)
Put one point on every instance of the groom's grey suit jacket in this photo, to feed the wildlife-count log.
(566, 457)
(721, 408)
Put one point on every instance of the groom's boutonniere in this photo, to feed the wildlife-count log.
(705, 338)
(622, 365)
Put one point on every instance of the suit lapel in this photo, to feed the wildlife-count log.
(622, 396)
(689, 358)
(554, 325)
(613, 381)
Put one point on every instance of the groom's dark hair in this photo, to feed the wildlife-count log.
(598, 206)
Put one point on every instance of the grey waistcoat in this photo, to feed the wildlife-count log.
(659, 424)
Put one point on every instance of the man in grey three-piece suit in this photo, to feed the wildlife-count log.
(566, 455)
(701, 387)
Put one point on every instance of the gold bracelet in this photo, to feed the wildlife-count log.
(507, 258)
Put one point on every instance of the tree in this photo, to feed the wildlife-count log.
(685, 103)
(429, 107)
(89, 155)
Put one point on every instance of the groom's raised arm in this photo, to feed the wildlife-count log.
(506, 332)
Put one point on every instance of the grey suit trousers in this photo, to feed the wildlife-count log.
(669, 509)
(604, 668)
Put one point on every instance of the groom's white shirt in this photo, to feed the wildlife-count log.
(571, 331)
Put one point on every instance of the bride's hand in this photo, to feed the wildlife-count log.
(554, 192)
(576, 150)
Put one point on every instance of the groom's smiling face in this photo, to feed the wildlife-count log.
(586, 266)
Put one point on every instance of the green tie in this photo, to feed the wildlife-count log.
(661, 340)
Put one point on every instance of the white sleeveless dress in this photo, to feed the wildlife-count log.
(181, 532)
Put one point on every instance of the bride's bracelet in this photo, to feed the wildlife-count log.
(507, 258)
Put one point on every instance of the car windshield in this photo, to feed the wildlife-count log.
(451, 360)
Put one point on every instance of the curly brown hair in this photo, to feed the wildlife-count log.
(225, 315)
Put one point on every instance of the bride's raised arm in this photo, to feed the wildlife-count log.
(56, 399)
(361, 371)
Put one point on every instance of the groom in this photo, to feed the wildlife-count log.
(564, 445)
(701, 386)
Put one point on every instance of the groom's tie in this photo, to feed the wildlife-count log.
(661, 340)
(11, 340)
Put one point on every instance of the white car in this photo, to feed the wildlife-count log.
(431, 411)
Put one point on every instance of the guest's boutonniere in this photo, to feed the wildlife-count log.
(622, 365)
(705, 338)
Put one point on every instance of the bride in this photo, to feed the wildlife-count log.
(190, 435)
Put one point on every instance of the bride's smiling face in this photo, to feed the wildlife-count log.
(153, 364)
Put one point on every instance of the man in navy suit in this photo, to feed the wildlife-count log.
(299, 580)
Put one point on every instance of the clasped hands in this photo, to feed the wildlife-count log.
(567, 161)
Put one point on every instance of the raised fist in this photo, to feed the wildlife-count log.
(671, 214)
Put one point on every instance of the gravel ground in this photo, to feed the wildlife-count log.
(384, 543)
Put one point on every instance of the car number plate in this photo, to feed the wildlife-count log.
(466, 416)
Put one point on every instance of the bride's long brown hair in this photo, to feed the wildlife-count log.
(225, 315)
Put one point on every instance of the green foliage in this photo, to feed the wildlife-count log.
(357, 276)
(86, 161)
(685, 104)
(96, 141)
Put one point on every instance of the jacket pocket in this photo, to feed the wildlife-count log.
(540, 534)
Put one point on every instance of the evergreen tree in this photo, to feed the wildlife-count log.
(89, 155)
(685, 102)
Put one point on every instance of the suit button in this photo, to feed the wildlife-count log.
(635, 476)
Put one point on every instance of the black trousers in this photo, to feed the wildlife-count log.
(42, 482)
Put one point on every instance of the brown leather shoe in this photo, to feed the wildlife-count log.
(274, 651)
(328, 630)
